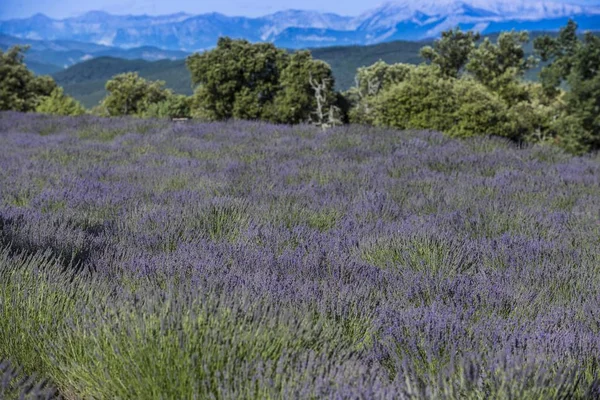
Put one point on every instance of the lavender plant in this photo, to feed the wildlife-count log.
(144, 259)
(15, 385)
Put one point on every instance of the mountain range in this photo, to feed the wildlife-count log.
(398, 20)
(49, 56)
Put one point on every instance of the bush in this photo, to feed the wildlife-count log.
(479, 112)
(129, 94)
(58, 103)
(174, 106)
(370, 81)
(425, 100)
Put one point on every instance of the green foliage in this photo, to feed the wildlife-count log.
(60, 104)
(490, 97)
(451, 52)
(296, 100)
(241, 80)
(583, 100)
(370, 81)
(237, 79)
(20, 89)
(500, 65)
(438, 96)
(424, 100)
(574, 62)
(174, 106)
(479, 112)
(570, 134)
(532, 119)
(380, 76)
(428, 100)
(131, 95)
(560, 51)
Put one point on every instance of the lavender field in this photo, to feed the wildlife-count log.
(143, 259)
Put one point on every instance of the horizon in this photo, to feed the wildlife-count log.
(24, 9)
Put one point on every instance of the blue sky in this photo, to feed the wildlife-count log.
(69, 8)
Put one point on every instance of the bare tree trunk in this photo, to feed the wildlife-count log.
(324, 118)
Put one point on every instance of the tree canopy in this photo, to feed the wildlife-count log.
(129, 94)
(242, 80)
(60, 104)
(451, 52)
(20, 89)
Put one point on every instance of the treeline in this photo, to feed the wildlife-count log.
(465, 87)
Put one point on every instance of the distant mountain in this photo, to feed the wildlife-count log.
(398, 20)
(49, 56)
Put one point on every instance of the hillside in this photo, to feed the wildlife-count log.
(85, 81)
(345, 60)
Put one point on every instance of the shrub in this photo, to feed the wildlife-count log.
(60, 104)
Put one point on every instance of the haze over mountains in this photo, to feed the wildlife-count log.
(398, 20)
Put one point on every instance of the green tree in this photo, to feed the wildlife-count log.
(573, 62)
(129, 94)
(424, 100)
(427, 99)
(452, 51)
(532, 119)
(479, 111)
(369, 82)
(20, 89)
(237, 79)
(501, 66)
(58, 103)
(583, 100)
(296, 100)
(174, 106)
(561, 52)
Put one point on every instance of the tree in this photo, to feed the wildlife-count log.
(326, 114)
(296, 100)
(424, 100)
(479, 111)
(129, 94)
(174, 106)
(60, 104)
(451, 52)
(369, 82)
(583, 100)
(574, 62)
(532, 120)
(241, 80)
(20, 89)
(560, 51)
(237, 79)
(500, 66)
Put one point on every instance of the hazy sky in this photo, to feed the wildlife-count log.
(69, 8)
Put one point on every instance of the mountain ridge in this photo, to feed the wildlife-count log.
(397, 20)
(47, 56)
